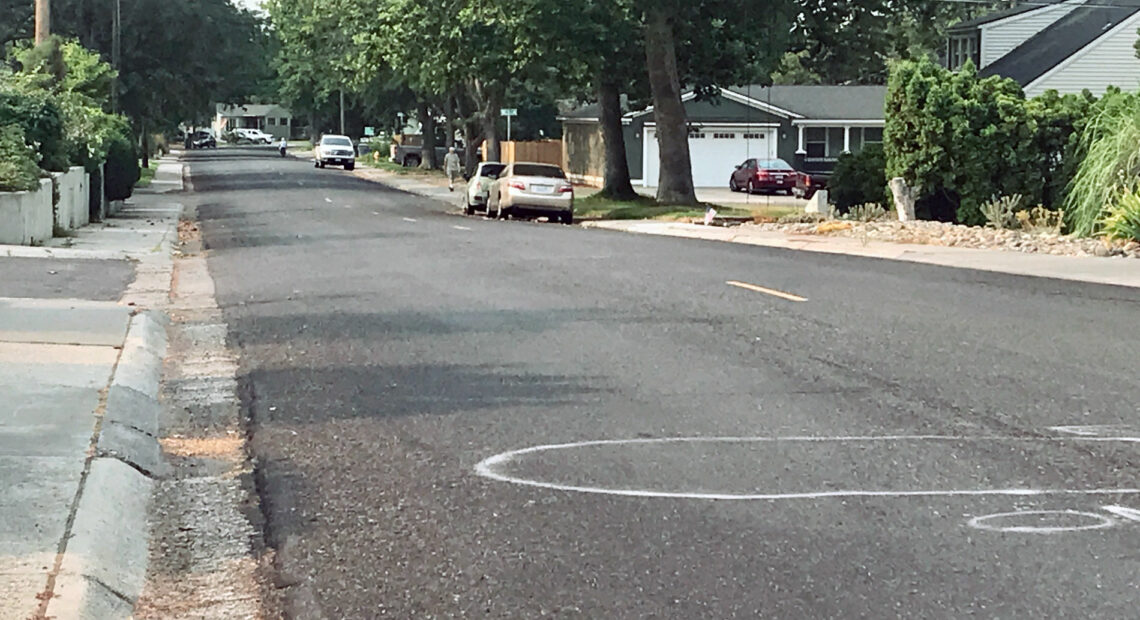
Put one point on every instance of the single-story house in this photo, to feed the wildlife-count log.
(807, 126)
(274, 120)
(1063, 45)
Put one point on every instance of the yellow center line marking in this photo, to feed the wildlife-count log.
(767, 291)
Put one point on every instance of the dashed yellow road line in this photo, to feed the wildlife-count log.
(766, 291)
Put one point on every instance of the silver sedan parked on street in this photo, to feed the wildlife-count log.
(479, 186)
(531, 190)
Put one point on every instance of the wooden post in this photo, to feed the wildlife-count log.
(43, 20)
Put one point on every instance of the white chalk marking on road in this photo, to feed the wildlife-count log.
(766, 291)
(461, 228)
(328, 200)
(1099, 522)
(488, 468)
(375, 213)
(1091, 430)
(408, 219)
(1124, 512)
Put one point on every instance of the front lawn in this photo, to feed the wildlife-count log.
(388, 166)
(146, 175)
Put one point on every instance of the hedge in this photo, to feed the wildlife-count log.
(18, 170)
(859, 179)
(42, 123)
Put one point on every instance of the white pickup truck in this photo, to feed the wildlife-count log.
(335, 150)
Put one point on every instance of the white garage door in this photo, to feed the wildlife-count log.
(715, 152)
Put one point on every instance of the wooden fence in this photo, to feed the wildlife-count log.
(540, 152)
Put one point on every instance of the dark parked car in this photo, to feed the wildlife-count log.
(203, 140)
(763, 175)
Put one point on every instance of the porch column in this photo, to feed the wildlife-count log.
(847, 138)
(800, 150)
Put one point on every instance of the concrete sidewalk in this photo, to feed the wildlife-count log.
(1117, 271)
(80, 380)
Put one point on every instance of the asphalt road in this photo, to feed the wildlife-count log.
(873, 435)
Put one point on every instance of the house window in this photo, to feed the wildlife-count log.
(963, 48)
(872, 135)
(283, 121)
(815, 141)
(272, 121)
(696, 134)
(834, 141)
(724, 136)
(753, 136)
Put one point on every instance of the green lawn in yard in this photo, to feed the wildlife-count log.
(645, 208)
(146, 175)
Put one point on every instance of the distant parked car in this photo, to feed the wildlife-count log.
(528, 189)
(808, 183)
(251, 136)
(479, 186)
(763, 175)
(203, 140)
(335, 150)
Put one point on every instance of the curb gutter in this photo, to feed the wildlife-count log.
(106, 550)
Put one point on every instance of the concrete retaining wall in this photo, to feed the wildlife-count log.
(74, 208)
(26, 217)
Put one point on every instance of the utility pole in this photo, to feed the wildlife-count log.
(342, 111)
(43, 20)
(116, 36)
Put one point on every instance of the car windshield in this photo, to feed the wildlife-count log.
(535, 170)
(491, 170)
(336, 141)
(775, 164)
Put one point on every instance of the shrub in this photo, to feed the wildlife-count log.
(18, 170)
(1001, 213)
(859, 179)
(870, 212)
(1041, 220)
(1122, 220)
(122, 170)
(802, 218)
(959, 139)
(41, 121)
(1111, 164)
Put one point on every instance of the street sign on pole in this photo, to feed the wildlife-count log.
(369, 131)
(509, 112)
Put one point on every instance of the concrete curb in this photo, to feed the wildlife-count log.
(104, 566)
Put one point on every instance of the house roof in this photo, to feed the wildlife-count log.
(971, 24)
(808, 102)
(822, 102)
(1062, 39)
(252, 110)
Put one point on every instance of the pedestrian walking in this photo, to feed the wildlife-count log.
(451, 167)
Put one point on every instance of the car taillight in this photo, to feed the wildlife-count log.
(761, 174)
(517, 185)
(566, 189)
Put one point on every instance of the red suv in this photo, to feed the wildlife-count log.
(760, 175)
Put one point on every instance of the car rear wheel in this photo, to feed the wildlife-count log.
(566, 218)
(732, 186)
(468, 209)
(350, 166)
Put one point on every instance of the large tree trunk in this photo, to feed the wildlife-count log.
(145, 147)
(449, 111)
(472, 134)
(675, 183)
(488, 100)
(427, 130)
(617, 184)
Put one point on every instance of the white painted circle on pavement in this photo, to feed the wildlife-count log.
(493, 469)
(1041, 521)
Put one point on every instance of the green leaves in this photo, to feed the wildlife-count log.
(962, 139)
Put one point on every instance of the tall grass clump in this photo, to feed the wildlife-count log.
(1110, 166)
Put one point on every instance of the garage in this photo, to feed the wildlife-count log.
(714, 150)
